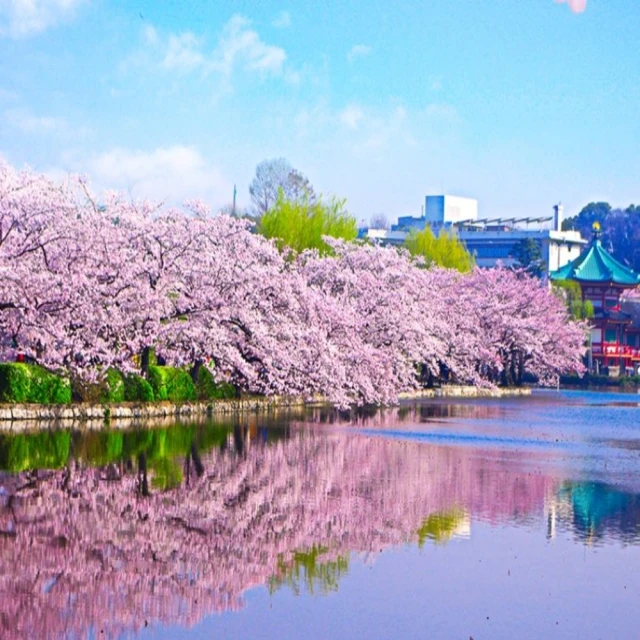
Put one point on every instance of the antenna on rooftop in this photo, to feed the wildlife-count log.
(235, 191)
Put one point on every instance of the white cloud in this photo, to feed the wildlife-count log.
(351, 116)
(183, 52)
(27, 122)
(171, 174)
(20, 18)
(312, 120)
(292, 77)
(150, 35)
(283, 21)
(358, 51)
(22, 121)
(367, 131)
(242, 46)
(382, 130)
(238, 48)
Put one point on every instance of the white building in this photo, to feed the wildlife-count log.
(489, 240)
(443, 210)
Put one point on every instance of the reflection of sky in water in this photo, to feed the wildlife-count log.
(492, 518)
(578, 434)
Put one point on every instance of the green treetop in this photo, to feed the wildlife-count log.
(301, 224)
(569, 291)
(528, 256)
(444, 250)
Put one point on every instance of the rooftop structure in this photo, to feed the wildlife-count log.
(445, 209)
(489, 239)
(596, 265)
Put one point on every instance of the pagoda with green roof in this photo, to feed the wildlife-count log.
(615, 337)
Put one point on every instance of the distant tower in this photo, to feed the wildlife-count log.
(558, 214)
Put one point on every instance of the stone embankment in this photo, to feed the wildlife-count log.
(94, 416)
(23, 417)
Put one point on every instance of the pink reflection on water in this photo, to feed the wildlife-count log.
(82, 548)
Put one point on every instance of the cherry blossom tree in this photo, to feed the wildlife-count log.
(90, 283)
(524, 327)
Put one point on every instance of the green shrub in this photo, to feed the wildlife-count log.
(113, 387)
(137, 389)
(208, 389)
(170, 383)
(593, 380)
(29, 383)
(108, 390)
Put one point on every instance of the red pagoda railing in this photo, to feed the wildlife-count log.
(619, 350)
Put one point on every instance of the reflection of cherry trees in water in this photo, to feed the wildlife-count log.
(104, 549)
(430, 412)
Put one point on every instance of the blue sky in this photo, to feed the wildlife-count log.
(519, 103)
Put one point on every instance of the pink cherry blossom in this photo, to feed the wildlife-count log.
(90, 283)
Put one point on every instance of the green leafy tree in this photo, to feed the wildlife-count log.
(301, 224)
(444, 250)
(583, 222)
(569, 291)
(528, 256)
(620, 230)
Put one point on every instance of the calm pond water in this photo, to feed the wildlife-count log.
(496, 518)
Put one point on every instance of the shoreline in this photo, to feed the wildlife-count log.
(27, 417)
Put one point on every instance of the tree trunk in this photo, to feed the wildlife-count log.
(144, 361)
(195, 370)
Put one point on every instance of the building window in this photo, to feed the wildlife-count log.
(611, 335)
(490, 251)
(631, 340)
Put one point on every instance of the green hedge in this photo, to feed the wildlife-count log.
(170, 383)
(208, 389)
(108, 390)
(113, 387)
(593, 380)
(29, 383)
(137, 389)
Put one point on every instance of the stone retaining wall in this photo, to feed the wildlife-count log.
(99, 413)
